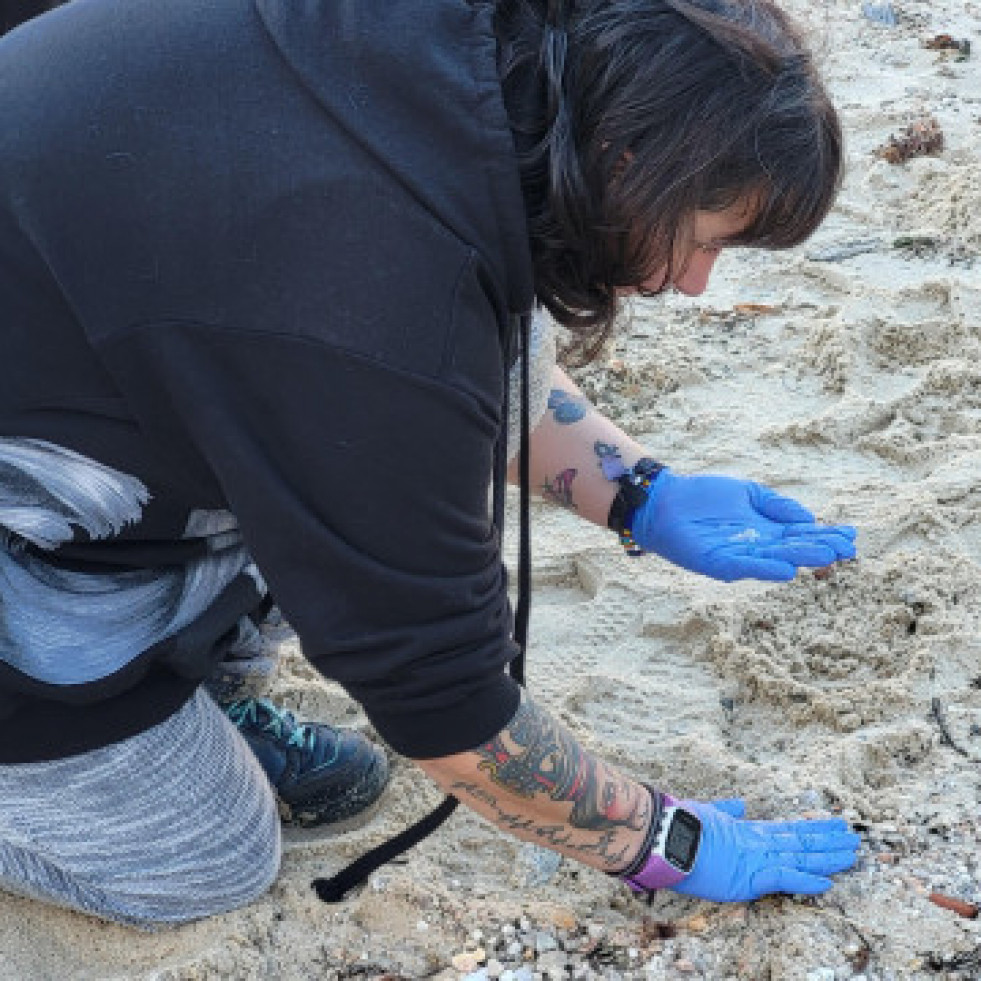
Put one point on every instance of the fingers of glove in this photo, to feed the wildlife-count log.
(811, 831)
(733, 806)
(803, 841)
(799, 552)
(834, 841)
(813, 529)
(842, 545)
(778, 879)
(729, 567)
(776, 507)
(814, 863)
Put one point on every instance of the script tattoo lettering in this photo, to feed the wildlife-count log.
(566, 408)
(613, 853)
(559, 490)
(535, 756)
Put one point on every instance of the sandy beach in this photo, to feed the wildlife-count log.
(846, 373)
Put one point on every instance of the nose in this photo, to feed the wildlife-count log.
(695, 276)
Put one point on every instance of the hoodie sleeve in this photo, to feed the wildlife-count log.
(361, 488)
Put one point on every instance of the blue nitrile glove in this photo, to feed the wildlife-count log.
(741, 860)
(734, 529)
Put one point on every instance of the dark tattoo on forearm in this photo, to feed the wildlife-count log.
(606, 846)
(610, 461)
(535, 755)
(559, 490)
(566, 408)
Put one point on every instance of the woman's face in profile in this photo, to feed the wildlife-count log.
(710, 232)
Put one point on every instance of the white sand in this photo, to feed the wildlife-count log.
(860, 393)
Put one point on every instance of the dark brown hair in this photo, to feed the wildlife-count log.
(631, 115)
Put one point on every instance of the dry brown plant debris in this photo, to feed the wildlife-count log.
(922, 138)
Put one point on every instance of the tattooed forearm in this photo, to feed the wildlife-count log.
(566, 408)
(533, 779)
(535, 756)
(607, 846)
(559, 490)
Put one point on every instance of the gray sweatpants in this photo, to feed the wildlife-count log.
(172, 825)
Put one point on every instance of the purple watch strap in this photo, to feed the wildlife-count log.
(656, 873)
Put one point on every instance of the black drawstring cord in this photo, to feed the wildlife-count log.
(523, 611)
(335, 888)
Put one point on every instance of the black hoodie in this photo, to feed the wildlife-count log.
(259, 255)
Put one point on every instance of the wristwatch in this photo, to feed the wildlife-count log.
(669, 852)
(635, 485)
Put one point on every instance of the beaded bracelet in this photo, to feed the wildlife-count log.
(634, 486)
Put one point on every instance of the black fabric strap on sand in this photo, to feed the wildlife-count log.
(334, 889)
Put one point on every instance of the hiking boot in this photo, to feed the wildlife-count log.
(322, 775)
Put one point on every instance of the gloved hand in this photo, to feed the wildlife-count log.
(741, 860)
(734, 529)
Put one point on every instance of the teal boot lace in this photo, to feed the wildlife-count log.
(280, 723)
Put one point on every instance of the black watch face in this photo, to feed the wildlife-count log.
(681, 846)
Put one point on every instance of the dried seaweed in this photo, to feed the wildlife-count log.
(947, 42)
(922, 138)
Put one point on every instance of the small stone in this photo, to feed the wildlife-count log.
(839, 252)
(507, 976)
(684, 965)
(545, 942)
(880, 13)
(812, 800)
(535, 866)
(695, 924)
(563, 919)
(478, 975)
(595, 930)
(654, 968)
(515, 949)
(468, 960)
(494, 968)
(821, 974)
(551, 961)
(422, 926)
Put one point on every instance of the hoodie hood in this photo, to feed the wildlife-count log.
(391, 76)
